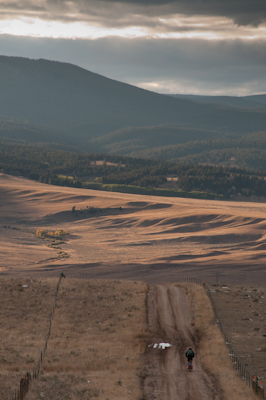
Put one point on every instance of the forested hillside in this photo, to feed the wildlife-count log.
(116, 173)
(64, 96)
(23, 131)
(66, 107)
(153, 142)
(248, 151)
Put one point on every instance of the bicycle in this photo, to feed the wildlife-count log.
(189, 366)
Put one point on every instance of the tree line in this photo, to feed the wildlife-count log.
(58, 167)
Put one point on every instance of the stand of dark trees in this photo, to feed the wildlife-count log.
(58, 167)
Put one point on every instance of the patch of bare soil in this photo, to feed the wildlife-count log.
(242, 312)
(167, 375)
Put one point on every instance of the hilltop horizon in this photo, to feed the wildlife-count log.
(195, 94)
(59, 103)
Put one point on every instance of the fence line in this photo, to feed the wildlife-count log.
(250, 380)
(26, 381)
(188, 279)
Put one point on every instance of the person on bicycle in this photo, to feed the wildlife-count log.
(190, 354)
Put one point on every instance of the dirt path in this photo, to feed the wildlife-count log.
(167, 375)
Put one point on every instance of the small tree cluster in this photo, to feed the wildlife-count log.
(50, 234)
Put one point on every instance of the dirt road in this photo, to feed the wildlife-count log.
(167, 375)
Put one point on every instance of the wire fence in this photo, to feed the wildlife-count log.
(188, 279)
(245, 374)
(26, 381)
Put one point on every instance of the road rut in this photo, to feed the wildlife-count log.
(167, 376)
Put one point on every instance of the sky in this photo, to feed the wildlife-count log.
(214, 47)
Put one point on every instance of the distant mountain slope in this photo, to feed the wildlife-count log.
(68, 98)
(256, 101)
(259, 98)
(248, 151)
(135, 139)
(25, 131)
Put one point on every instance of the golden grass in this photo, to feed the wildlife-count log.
(212, 351)
(205, 226)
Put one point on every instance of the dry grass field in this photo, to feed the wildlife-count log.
(97, 348)
(211, 349)
(129, 236)
(242, 311)
(98, 342)
(99, 329)
(96, 345)
(24, 315)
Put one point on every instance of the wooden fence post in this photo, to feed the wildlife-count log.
(20, 390)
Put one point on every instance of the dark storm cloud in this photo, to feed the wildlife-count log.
(188, 66)
(241, 11)
(121, 12)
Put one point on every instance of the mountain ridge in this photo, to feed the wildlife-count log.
(65, 106)
(69, 98)
(252, 101)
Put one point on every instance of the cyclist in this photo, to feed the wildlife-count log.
(190, 355)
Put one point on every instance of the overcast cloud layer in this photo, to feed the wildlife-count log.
(112, 11)
(165, 66)
(169, 46)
